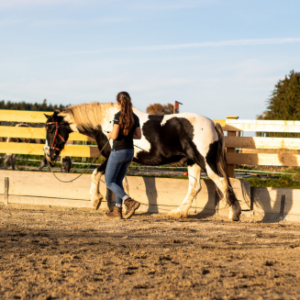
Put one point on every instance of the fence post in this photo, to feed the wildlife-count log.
(6, 186)
(84, 158)
(230, 167)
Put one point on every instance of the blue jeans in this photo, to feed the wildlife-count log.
(116, 169)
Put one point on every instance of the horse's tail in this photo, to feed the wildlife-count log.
(221, 163)
(221, 153)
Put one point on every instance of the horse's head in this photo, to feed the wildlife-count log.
(57, 134)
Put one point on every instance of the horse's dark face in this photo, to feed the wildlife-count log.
(57, 135)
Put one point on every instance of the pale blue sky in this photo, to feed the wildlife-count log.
(218, 58)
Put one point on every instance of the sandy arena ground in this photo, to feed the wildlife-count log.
(62, 253)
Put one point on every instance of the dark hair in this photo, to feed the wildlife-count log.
(126, 118)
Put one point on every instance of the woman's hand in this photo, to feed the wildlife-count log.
(115, 132)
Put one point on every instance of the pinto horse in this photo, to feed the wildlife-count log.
(187, 137)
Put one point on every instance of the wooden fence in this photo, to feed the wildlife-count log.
(35, 188)
(232, 139)
(289, 158)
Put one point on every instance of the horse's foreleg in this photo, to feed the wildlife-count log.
(224, 186)
(194, 172)
(126, 185)
(96, 196)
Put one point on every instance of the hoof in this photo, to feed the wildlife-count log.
(233, 217)
(235, 212)
(175, 214)
(96, 202)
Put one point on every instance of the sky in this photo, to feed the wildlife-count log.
(218, 57)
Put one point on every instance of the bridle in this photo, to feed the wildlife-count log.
(54, 139)
(47, 152)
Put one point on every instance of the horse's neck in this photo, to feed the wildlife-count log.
(99, 121)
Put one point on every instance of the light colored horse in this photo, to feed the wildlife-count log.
(165, 139)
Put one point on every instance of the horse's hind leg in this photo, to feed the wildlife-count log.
(224, 186)
(96, 196)
(194, 172)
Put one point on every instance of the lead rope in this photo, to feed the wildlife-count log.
(68, 181)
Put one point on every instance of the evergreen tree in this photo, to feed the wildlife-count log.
(284, 103)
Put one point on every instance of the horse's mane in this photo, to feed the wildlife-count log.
(87, 115)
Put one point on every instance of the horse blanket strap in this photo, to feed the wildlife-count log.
(56, 134)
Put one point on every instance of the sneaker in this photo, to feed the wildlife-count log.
(131, 206)
(116, 212)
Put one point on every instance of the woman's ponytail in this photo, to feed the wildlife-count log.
(126, 118)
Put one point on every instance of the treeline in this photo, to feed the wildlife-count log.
(30, 106)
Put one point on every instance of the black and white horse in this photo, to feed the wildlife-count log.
(187, 137)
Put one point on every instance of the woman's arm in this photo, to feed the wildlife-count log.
(137, 134)
(115, 132)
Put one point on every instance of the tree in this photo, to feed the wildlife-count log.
(159, 109)
(284, 103)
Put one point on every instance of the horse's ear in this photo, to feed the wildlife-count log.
(55, 114)
(47, 116)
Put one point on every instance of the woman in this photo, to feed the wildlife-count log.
(126, 128)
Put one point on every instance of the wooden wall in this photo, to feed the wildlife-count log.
(155, 194)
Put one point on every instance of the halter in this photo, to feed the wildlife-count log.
(56, 135)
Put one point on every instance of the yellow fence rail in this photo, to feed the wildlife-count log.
(23, 116)
(36, 133)
(37, 149)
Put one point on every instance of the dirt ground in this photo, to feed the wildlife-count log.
(62, 253)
